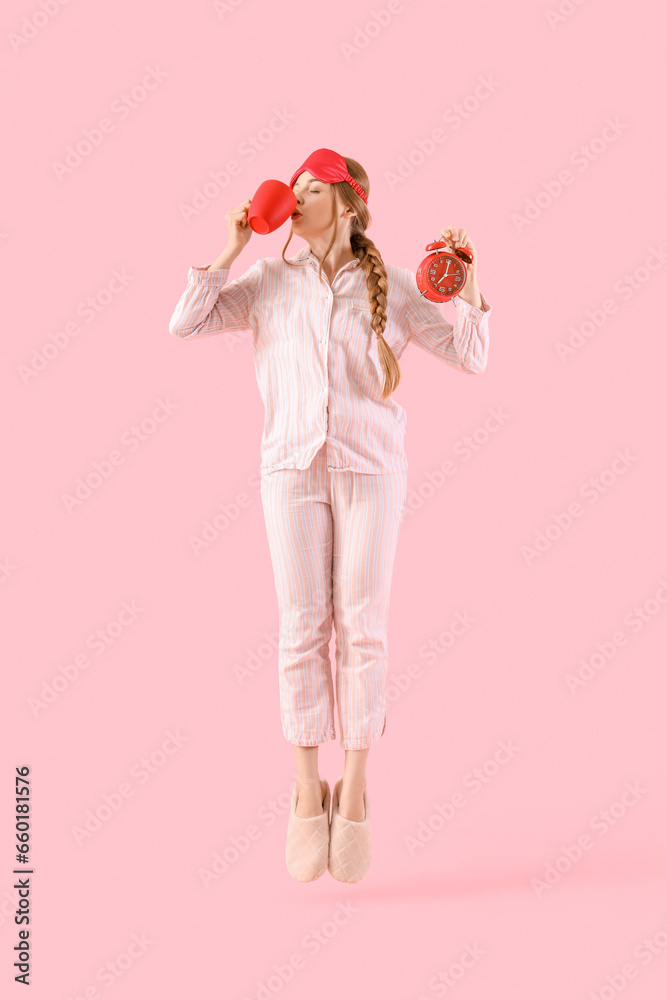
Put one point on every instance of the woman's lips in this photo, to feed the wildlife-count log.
(297, 215)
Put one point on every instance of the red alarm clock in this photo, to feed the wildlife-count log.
(442, 274)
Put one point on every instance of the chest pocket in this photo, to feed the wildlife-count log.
(362, 327)
(359, 318)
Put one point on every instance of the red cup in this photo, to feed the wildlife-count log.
(272, 204)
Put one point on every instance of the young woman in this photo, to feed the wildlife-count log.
(329, 327)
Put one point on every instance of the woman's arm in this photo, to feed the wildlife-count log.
(209, 305)
(465, 345)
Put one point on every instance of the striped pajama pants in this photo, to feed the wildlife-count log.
(332, 538)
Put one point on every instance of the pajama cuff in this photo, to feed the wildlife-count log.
(202, 276)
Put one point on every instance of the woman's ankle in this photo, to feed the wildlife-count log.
(310, 800)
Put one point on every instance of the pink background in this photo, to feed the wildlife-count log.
(524, 108)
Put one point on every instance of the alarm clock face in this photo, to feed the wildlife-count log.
(446, 274)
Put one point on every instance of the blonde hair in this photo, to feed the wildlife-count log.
(369, 258)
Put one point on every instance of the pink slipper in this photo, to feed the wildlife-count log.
(307, 847)
(349, 842)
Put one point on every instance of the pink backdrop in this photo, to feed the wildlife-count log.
(518, 795)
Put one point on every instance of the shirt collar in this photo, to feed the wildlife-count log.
(307, 254)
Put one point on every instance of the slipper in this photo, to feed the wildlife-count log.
(349, 842)
(307, 848)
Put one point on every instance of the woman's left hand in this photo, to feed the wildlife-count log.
(458, 238)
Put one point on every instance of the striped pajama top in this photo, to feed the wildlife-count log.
(316, 355)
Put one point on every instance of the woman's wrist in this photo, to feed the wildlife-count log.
(225, 260)
(471, 294)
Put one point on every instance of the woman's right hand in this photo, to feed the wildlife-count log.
(238, 227)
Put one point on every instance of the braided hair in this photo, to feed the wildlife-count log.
(369, 259)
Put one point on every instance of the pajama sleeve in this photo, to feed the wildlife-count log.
(465, 345)
(209, 305)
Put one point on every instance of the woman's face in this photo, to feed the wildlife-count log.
(313, 200)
